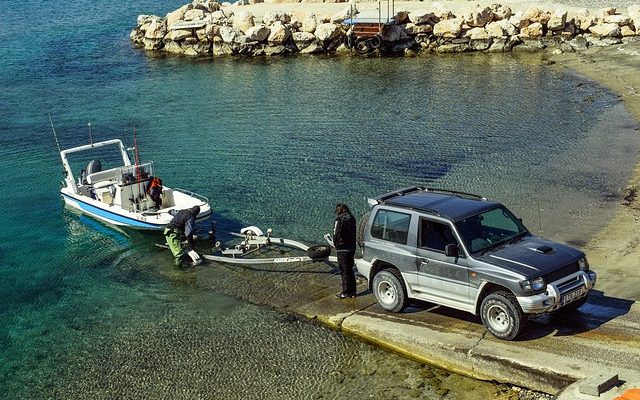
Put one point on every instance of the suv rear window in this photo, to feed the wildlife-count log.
(391, 225)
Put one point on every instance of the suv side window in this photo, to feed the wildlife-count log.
(434, 235)
(391, 225)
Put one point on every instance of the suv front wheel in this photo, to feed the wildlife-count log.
(388, 287)
(501, 315)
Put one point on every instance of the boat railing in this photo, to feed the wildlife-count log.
(192, 194)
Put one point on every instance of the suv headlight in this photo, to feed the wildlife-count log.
(583, 264)
(533, 284)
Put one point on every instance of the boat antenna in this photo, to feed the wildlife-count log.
(54, 134)
(136, 156)
(90, 135)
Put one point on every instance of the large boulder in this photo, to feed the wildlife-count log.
(153, 44)
(557, 20)
(258, 33)
(605, 30)
(220, 17)
(534, 14)
(626, 31)
(518, 20)
(583, 19)
(420, 17)
(195, 14)
(535, 30)
(326, 32)
(177, 15)
(620, 20)
(177, 35)
(313, 48)
(478, 17)
(155, 29)
(413, 29)
(144, 19)
(173, 48)
(242, 21)
(476, 33)
(228, 34)
(303, 39)
(500, 12)
(211, 31)
(441, 12)
(309, 23)
(208, 6)
(501, 28)
(448, 28)
(279, 34)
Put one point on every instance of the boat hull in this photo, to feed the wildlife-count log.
(122, 218)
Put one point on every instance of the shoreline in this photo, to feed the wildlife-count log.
(614, 250)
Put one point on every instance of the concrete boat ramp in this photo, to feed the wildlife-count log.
(592, 354)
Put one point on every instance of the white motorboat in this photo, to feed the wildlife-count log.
(119, 195)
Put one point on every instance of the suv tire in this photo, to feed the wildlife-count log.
(388, 287)
(501, 315)
(362, 226)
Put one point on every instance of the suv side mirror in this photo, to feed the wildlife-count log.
(451, 250)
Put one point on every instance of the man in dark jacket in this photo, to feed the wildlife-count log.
(181, 225)
(344, 240)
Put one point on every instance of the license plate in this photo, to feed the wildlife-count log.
(571, 296)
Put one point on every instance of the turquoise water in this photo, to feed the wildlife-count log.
(88, 311)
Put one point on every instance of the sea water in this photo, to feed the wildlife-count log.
(90, 311)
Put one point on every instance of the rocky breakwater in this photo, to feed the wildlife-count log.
(205, 28)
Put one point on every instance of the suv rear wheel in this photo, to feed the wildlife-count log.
(388, 287)
(501, 315)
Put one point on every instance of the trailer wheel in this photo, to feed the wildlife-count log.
(319, 251)
(501, 315)
(362, 46)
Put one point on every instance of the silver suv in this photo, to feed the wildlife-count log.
(463, 251)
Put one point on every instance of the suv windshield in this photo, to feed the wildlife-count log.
(490, 228)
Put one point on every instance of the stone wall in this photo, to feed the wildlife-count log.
(204, 28)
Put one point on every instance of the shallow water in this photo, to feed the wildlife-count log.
(95, 312)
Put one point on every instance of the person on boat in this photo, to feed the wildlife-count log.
(181, 225)
(155, 191)
(344, 241)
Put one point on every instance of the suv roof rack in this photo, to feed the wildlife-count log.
(457, 193)
(413, 189)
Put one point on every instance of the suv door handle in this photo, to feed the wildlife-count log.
(424, 261)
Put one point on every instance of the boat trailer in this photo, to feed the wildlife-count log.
(253, 241)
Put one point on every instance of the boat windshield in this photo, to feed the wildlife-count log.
(489, 229)
(132, 173)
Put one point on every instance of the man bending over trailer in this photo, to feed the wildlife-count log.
(182, 225)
